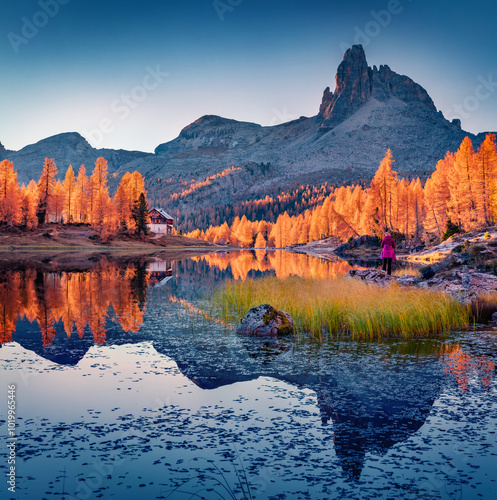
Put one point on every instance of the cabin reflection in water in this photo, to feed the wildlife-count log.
(160, 272)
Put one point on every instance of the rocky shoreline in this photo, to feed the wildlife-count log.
(465, 284)
(464, 266)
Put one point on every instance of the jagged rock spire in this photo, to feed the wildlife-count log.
(356, 83)
(353, 88)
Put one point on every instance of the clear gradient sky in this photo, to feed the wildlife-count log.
(131, 74)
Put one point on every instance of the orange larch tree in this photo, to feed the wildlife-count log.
(69, 194)
(126, 197)
(403, 214)
(466, 189)
(57, 202)
(357, 201)
(29, 204)
(486, 175)
(380, 206)
(103, 215)
(439, 206)
(98, 185)
(418, 209)
(123, 202)
(260, 241)
(10, 195)
(81, 196)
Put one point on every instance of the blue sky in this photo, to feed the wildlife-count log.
(132, 74)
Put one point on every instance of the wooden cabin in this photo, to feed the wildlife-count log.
(160, 221)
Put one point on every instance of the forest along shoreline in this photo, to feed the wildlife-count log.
(65, 247)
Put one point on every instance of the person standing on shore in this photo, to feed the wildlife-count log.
(388, 252)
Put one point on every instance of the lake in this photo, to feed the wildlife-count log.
(123, 390)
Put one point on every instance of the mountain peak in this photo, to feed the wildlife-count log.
(356, 83)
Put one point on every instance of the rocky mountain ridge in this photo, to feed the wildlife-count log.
(370, 111)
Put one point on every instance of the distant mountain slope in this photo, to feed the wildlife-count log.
(369, 111)
(69, 148)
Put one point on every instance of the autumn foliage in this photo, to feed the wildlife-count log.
(76, 198)
(462, 189)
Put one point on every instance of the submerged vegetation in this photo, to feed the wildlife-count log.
(344, 306)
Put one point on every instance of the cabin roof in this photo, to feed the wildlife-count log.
(162, 212)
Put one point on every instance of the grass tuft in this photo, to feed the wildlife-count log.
(336, 306)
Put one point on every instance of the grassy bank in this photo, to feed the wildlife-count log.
(344, 306)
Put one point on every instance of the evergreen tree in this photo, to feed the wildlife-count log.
(140, 215)
(46, 186)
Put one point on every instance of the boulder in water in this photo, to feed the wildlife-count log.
(264, 321)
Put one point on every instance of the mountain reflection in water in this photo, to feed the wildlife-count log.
(374, 394)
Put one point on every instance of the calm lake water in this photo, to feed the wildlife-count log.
(123, 391)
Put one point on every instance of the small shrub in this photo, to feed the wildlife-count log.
(475, 250)
(457, 249)
(450, 230)
(427, 272)
(491, 266)
(486, 236)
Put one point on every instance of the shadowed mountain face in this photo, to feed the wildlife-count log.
(369, 111)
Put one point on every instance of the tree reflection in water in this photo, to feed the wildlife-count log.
(76, 300)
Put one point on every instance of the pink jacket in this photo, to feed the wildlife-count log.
(388, 248)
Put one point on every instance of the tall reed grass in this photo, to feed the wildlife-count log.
(336, 306)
